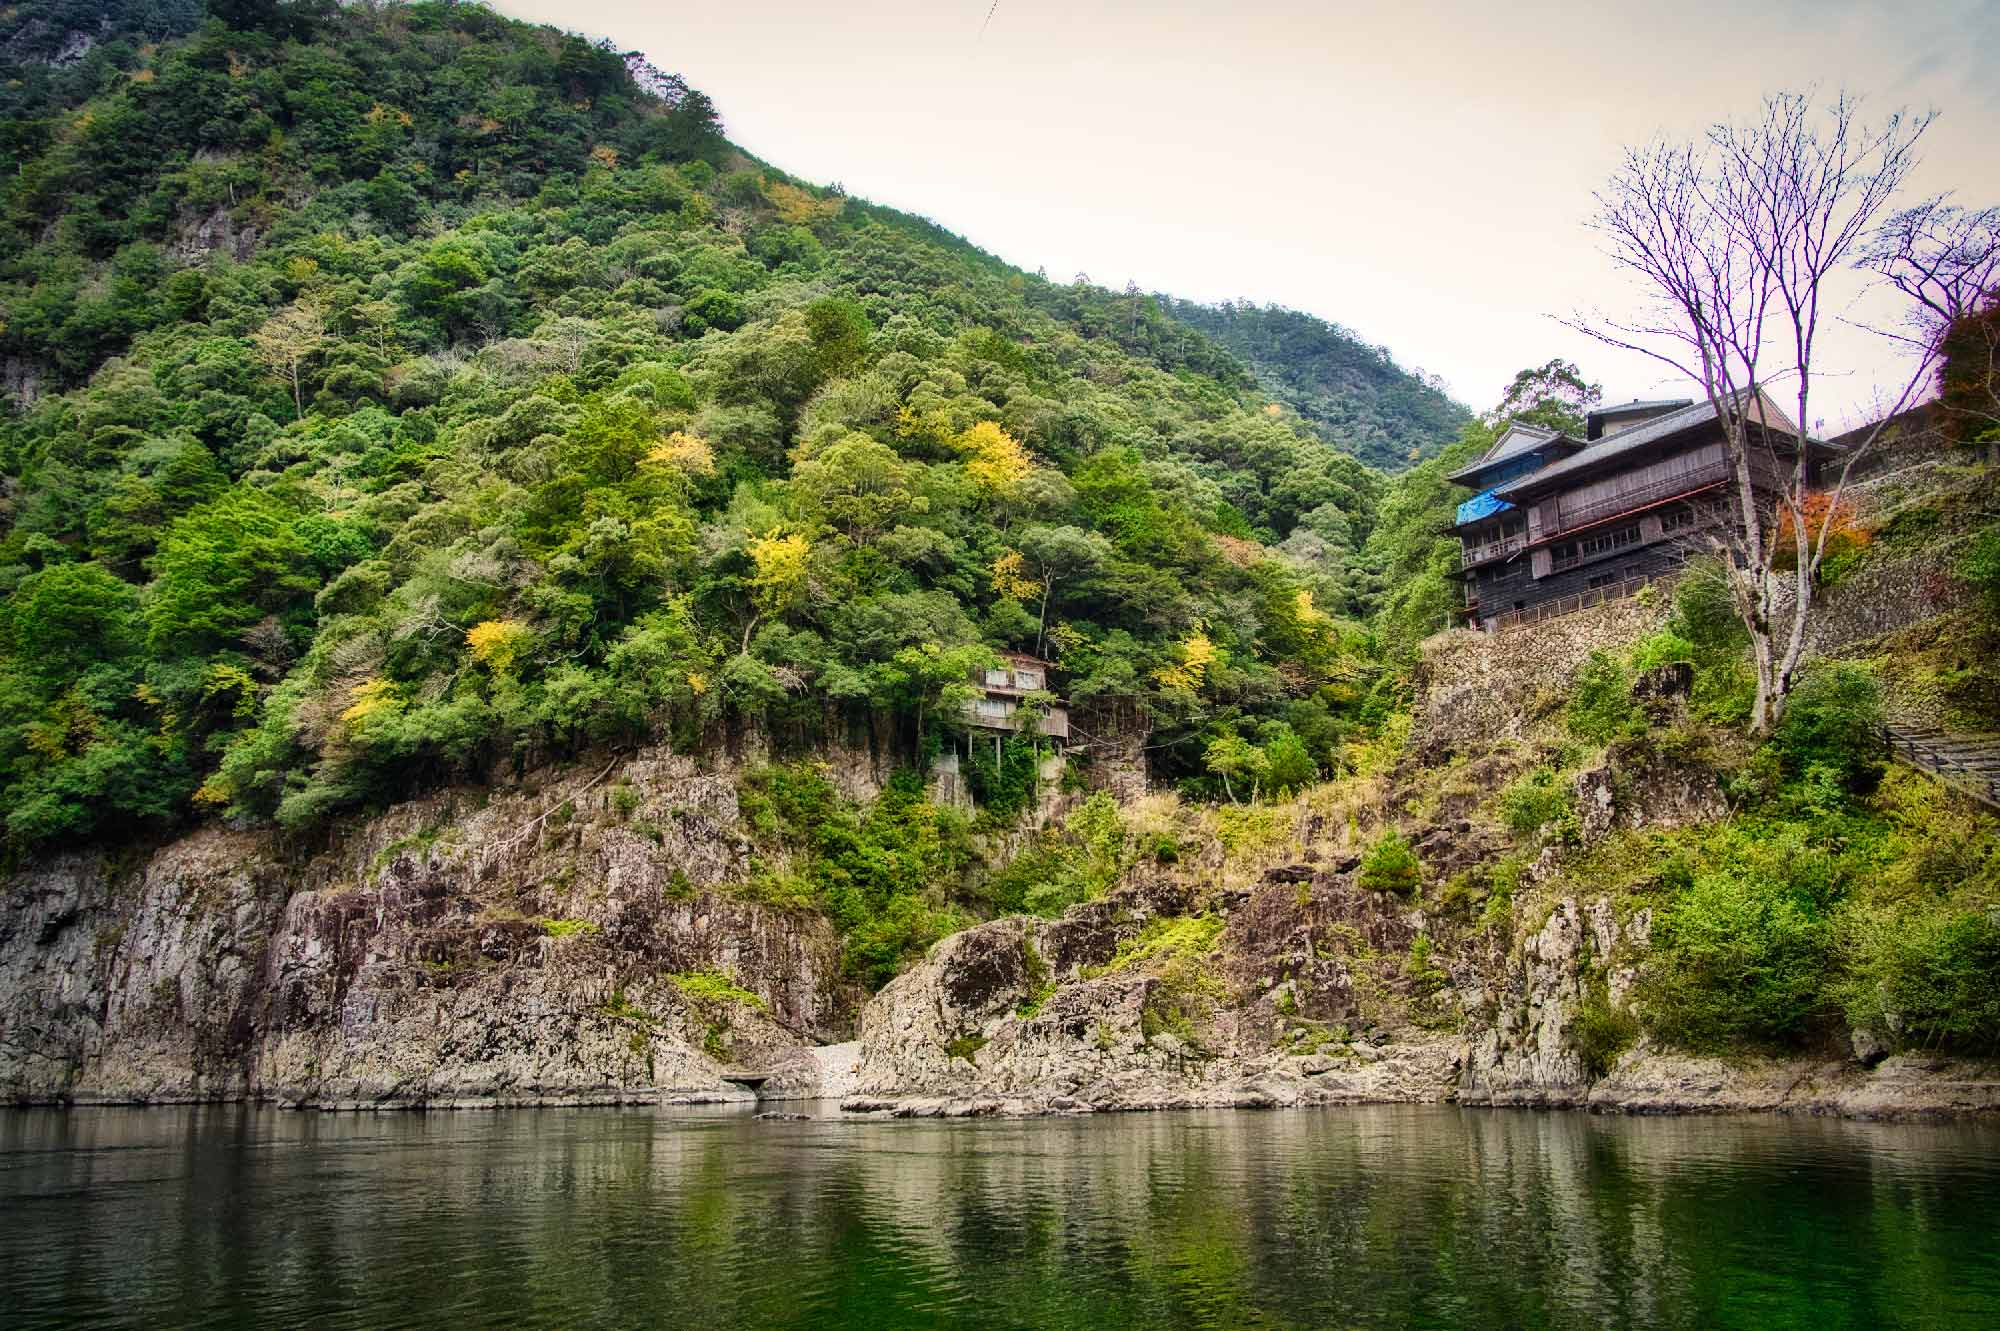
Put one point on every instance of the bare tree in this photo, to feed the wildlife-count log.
(1946, 259)
(1738, 240)
(288, 339)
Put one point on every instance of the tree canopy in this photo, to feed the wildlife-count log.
(399, 390)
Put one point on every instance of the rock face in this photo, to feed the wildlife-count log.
(522, 951)
(585, 939)
(1024, 1015)
(1304, 987)
(1007, 1018)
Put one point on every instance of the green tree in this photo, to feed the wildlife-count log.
(69, 617)
(1230, 755)
(222, 568)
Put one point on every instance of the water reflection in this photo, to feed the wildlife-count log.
(1391, 1216)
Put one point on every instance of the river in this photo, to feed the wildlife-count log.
(231, 1216)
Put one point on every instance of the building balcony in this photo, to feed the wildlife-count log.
(1653, 492)
(1002, 713)
(1473, 555)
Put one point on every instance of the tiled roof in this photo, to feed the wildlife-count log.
(1625, 441)
(1627, 408)
(1514, 441)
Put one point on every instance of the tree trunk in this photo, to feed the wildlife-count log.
(1042, 628)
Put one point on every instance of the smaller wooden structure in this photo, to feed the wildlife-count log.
(1002, 689)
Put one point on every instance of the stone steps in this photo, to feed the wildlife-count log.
(1969, 762)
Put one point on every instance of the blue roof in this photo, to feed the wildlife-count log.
(1482, 505)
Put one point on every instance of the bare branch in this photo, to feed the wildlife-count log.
(1735, 241)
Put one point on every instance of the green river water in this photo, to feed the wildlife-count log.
(229, 1216)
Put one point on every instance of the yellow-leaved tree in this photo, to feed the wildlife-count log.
(684, 453)
(779, 583)
(374, 696)
(1010, 577)
(499, 644)
(996, 461)
(1197, 652)
(800, 207)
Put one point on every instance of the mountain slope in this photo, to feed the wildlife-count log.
(407, 395)
(1353, 395)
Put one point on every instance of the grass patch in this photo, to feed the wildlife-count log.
(1541, 799)
(715, 987)
(1166, 936)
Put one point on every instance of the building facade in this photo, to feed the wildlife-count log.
(1558, 522)
(1002, 688)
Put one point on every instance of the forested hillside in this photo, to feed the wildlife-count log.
(402, 394)
(1352, 394)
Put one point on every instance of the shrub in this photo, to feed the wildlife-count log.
(1704, 614)
(1168, 937)
(1289, 765)
(1077, 862)
(1535, 801)
(1391, 866)
(966, 1047)
(1006, 786)
(1833, 722)
(875, 870)
(1740, 957)
(1424, 973)
(1663, 648)
(715, 987)
(1602, 1032)
(1041, 985)
(1600, 704)
(1935, 980)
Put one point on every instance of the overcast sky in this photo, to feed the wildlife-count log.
(1417, 172)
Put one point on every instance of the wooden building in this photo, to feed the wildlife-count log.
(1560, 522)
(1002, 688)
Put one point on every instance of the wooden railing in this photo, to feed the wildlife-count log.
(1972, 764)
(1566, 605)
(1500, 549)
(1639, 496)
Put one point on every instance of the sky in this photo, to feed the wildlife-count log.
(1420, 173)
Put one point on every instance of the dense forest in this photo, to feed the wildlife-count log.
(1352, 394)
(400, 391)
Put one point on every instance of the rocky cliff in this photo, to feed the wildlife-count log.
(570, 941)
(1300, 986)
(588, 937)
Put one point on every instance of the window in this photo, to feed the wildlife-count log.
(1603, 580)
(1676, 519)
(1611, 540)
(1028, 679)
(997, 678)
